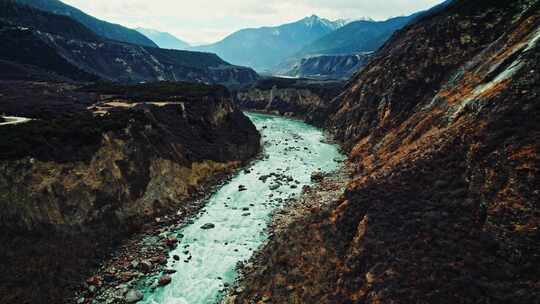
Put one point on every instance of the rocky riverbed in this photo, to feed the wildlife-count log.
(195, 259)
(143, 254)
(316, 199)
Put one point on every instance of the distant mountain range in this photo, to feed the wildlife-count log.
(164, 40)
(102, 28)
(304, 48)
(265, 47)
(341, 53)
(355, 37)
(39, 43)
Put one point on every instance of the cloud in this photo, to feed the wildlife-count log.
(204, 21)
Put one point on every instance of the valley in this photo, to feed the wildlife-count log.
(328, 161)
(233, 222)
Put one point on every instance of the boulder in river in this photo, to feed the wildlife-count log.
(134, 296)
(317, 176)
(274, 187)
(164, 280)
(171, 241)
(208, 226)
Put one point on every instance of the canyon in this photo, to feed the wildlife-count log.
(75, 182)
(130, 173)
(443, 203)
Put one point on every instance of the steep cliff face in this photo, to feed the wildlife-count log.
(86, 177)
(301, 98)
(329, 66)
(142, 169)
(443, 206)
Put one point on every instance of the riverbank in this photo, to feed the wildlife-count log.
(315, 200)
(124, 277)
(76, 182)
(144, 254)
(193, 259)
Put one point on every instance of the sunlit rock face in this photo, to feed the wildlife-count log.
(441, 129)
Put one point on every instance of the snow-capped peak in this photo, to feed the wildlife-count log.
(314, 20)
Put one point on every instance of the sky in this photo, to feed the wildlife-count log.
(206, 21)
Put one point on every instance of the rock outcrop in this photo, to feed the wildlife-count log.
(328, 66)
(442, 131)
(73, 182)
(302, 98)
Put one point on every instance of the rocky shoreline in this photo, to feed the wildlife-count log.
(315, 200)
(89, 172)
(443, 206)
(140, 261)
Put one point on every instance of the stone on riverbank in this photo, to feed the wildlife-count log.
(164, 280)
(134, 296)
(208, 226)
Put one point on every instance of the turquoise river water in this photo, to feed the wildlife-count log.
(293, 150)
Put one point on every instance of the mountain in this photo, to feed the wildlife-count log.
(102, 28)
(355, 37)
(345, 47)
(105, 159)
(68, 49)
(365, 35)
(342, 52)
(164, 40)
(441, 203)
(263, 48)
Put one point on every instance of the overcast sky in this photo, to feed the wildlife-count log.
(204, 21)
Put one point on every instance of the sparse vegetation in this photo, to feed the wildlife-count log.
(15, 14)
(158, 90)
(20, 46)
(72, 137)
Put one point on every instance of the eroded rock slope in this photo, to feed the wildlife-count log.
(442, 131)
(302, 98)
(96, 165)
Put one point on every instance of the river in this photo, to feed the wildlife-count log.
(240, 211)
(12, 120)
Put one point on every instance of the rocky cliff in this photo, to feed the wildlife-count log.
(303, 98)
(328, 66)
(73, 182)
(443, 204)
